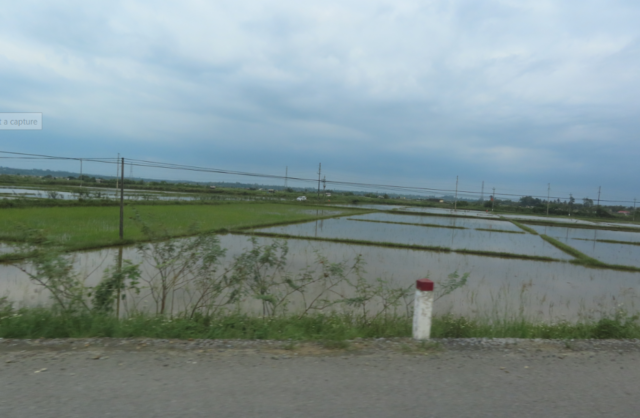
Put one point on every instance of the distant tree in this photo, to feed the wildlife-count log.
(587, 203)
(530, 201)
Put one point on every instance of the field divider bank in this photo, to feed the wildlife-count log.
(609, 241)
(398, 245)
(583, 259)
(580, 226)
(524, 227)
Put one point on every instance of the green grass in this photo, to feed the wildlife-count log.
(616, 326)
(609, 241)
(524, 227)
(81, 228)
(579, 256)
(333, 328)
(44, 323)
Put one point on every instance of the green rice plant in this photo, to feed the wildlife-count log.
(83, 228)
(524, 227)
(609, 241)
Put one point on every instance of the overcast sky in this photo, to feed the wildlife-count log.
(515, 93)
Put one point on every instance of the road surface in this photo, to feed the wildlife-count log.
(100, 378)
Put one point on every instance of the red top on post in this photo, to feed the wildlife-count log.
(425, 285)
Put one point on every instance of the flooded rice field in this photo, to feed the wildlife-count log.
(545, 290)
(91, 193)
(467, 223)
(626, 251)
(496, 286)
(453, 212)
(469, 239)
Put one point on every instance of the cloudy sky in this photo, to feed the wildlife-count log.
(514, 93)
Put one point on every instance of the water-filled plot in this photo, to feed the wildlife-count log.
(546, 219)
(343, 228)
(372, 206)
(496, 286)
(586, 234)
(455, 222)
(589, 242)
(458, 212)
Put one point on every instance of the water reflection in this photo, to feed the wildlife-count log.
(590, 243)
(343, 228)
(496, 286)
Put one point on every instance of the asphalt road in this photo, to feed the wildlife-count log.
(92, 380)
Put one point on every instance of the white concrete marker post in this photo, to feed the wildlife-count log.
(422, 309)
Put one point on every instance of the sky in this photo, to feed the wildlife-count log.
(518, 94)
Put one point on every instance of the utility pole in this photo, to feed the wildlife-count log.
(119, 281)
(493, 198)
(324, 184)
(634, 208)
(599, 187)
(117, 173)
(319, 171)
(455, 202)
(548, 196)
(80, 172)
(570, 203)
(482, 192)
(286, 177)
(122, 201)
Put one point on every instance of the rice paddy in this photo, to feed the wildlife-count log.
(536, 271)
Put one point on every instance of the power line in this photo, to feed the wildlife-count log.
(374, 186)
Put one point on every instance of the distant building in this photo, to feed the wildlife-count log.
(624, 212)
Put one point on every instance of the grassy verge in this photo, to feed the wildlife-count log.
(409, 223)
(45, 323)
(81, 228)
(609, 241)
(402, 246)
(524, 227)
